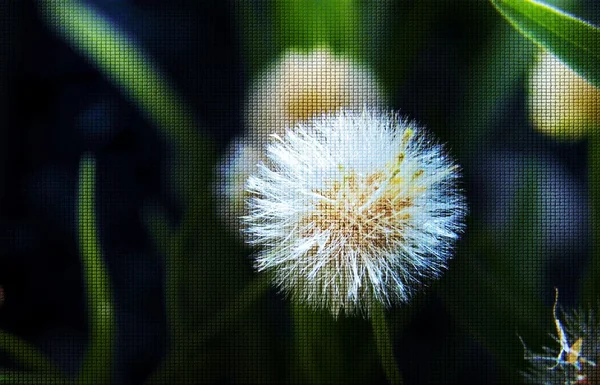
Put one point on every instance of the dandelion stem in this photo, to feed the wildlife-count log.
(591, 283)
(385, 348)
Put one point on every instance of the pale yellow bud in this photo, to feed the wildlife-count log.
(302, 86)
(561, 102)
(298, 88)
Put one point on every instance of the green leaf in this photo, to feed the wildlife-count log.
(497, 71)
(29, 357)
(306, 24)
(115, 53)
(572, 40)
(97, 365)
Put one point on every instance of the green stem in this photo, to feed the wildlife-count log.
(385, 349)
(97, 365)
(308, 329)
(591, 283)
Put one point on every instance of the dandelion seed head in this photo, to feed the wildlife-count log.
(352, 208)
(575, 357)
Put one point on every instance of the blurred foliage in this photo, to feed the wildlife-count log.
(225, 323)
(573, 40)
(97, 364)
(576, 43)
(29, 358)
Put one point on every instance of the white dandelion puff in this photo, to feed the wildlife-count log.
(353, 208)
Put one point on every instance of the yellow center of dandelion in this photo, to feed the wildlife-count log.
(309, 103)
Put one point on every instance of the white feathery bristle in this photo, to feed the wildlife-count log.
(352, 208)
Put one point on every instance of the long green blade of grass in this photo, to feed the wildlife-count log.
(121, 60)
(97, 365)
